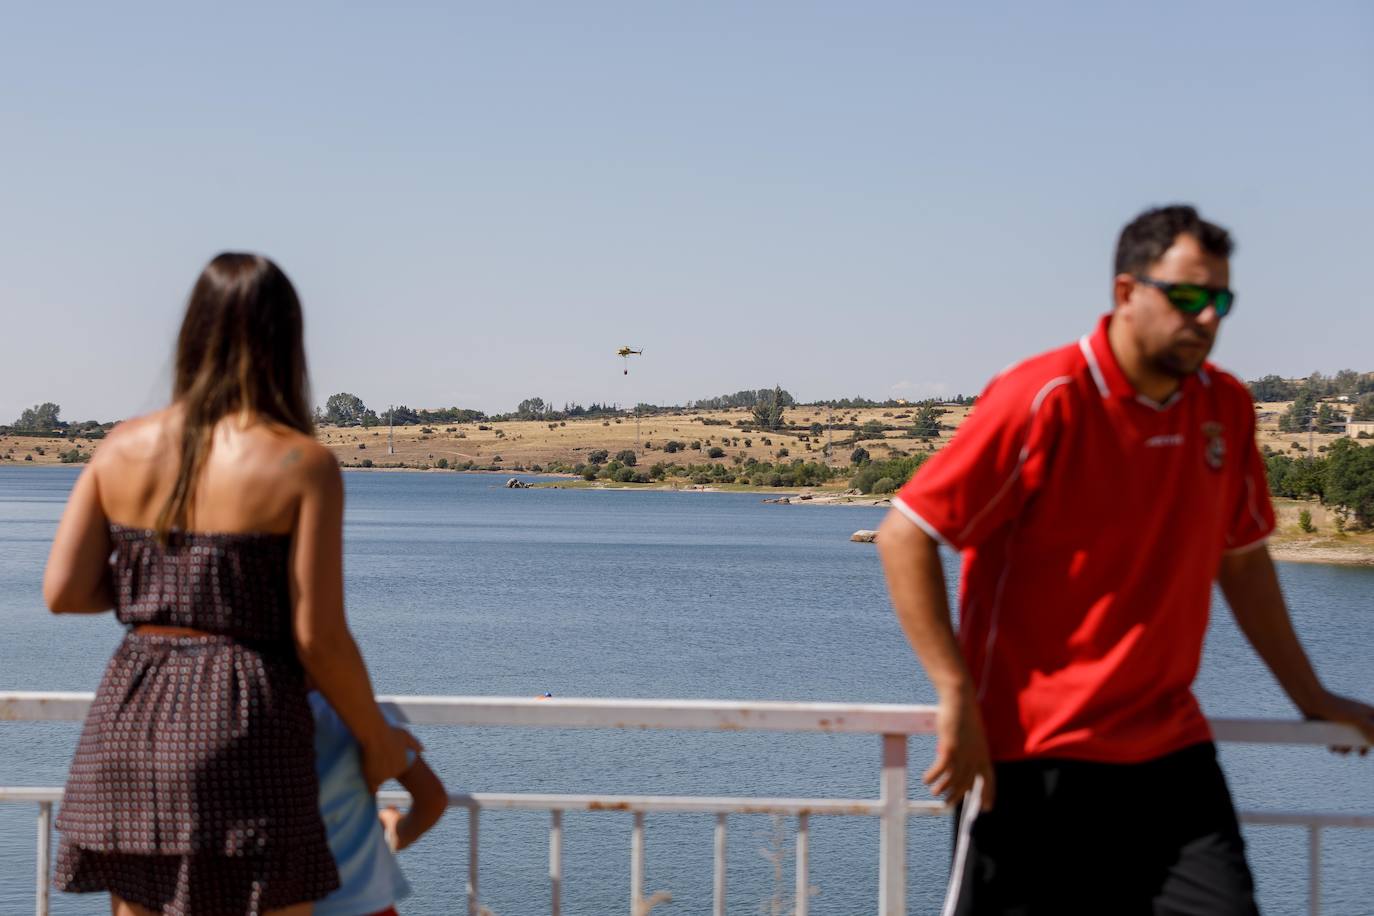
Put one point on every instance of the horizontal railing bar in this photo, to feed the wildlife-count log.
(538, 712)
(688, 715)
(1308, 819)
(729, 805)
(1286, 731)
(43, 706)
(687, 804)
(683, 715)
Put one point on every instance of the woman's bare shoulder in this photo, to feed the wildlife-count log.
(299, 454)
(141, 439)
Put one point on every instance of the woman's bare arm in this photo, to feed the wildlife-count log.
(77, 578)
(323, 641)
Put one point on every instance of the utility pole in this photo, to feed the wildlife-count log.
(390, 430)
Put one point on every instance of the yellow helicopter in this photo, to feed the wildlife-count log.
(625, 353)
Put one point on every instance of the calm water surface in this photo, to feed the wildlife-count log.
(458, 586)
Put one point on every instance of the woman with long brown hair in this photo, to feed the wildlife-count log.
(214, 528)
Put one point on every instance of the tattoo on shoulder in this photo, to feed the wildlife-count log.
(292, 457)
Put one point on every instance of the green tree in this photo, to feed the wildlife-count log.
(344, 409)
(627, 457)
(768, 411)
(1350, 479)
(926, 423)
(873, 429)
(1329, 418)
(859, 456)
(1364, 408)
(42, 417)
(598, 456)
(1300, 413)
(1347, 382)
(1296, 478)
(1273, 388)
(531, 408)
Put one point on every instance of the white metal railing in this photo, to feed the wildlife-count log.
(893, 723)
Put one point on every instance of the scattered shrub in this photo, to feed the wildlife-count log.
(884, 485)
(598, 457)
(783, 453)
(627, 457)
(715, 451)
(1305, 521)
(366, 462)
(442, 463)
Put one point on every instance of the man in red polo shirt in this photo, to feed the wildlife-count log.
(1096, 492)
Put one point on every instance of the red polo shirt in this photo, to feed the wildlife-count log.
(1092, 522)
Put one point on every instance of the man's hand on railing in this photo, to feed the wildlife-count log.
(1331, 707)
(961, 751)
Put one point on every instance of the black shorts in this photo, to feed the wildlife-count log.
(1069, 837)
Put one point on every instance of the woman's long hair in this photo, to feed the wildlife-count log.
(241, 350)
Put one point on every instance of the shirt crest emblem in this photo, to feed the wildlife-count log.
(1215, 450)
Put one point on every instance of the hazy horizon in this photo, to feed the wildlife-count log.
(480, 205)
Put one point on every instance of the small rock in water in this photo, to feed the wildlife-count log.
(864, 536)
(515, 483)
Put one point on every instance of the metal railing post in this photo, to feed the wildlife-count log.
(474, 828)
(802, 894)
(892, 828)
(44, 854)
(556, 862)
(718, 875)
(637, 865)
(1314, 870)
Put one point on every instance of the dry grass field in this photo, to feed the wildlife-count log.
(32, 450)
(523, 444)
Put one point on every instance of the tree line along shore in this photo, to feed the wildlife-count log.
(1320, 470)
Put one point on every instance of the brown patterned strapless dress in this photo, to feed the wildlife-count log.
(193, 788)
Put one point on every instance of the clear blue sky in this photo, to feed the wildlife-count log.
(480, 203)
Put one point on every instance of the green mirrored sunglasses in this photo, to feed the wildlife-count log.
(1191, 299)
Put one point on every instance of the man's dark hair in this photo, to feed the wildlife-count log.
(1149, 235)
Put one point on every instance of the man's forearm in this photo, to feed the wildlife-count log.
(1251, 586)
(916, 582)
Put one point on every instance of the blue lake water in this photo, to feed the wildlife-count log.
(456, 585)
